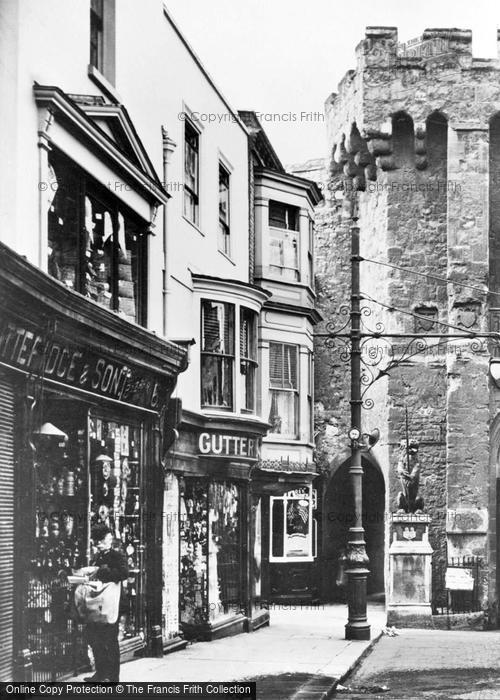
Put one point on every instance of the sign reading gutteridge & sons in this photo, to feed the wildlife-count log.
(55, 358)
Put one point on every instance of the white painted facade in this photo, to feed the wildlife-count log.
(122, 130)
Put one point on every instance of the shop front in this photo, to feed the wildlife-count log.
(89, 413)
(219, 551)
(288, 501)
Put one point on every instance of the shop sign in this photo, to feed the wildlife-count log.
(77, 366)
(224, 445)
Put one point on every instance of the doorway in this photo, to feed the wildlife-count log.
(338, 518)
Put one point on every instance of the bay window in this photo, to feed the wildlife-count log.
(291, 526)
(284, 240)
(228, 356)
(96, 246)
(217, 354)
(283, 389)
(248, 358)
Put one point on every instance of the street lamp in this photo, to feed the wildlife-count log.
(357, 626)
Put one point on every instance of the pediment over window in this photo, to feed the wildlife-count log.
(106, 130)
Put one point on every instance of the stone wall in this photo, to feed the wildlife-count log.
(408, 131)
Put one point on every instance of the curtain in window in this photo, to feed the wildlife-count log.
(283, 382)
(284, 254)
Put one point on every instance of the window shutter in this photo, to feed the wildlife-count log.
(276, 365)
(211, 327)
(6, 528)
(292, 365)
(218, 327)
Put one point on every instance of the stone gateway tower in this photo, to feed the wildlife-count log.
(414, 138)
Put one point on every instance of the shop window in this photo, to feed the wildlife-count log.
(211, 551)
(284, 240)
(102, 37)
(60, 529)
(191, 172)
(283, 389)
(225, 550)
(193, 580)
(217, 354)
(88, 470)
(248, 358)
(292, 526)
(95, 245)
(224, 230)
(117, 495)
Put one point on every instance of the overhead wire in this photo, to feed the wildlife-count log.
(467, 334)
(433, 277)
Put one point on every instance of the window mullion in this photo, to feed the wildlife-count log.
(82, 236)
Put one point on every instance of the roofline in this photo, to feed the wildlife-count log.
(310, 312)
(311, 186)
(265, 137)
(232, 283)
(200, 65)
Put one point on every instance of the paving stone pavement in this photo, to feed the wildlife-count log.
(454, 665)
(299, 656)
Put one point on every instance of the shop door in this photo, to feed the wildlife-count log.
(116, 499)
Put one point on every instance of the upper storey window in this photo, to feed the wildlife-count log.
(96, 34)
(102, 37)
(95, 245)
(284, 390)
(224, 230)
(191, 172)
(223, 358)
(217, 354)
(284, 240)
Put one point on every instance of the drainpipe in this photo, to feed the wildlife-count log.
(168, 148)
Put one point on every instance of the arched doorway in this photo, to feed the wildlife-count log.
(338, 518)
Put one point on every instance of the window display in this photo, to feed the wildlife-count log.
(116, 498)
(60, 544)
(224, 562)
(193, 591)
(292, 526)
(95, 245)
(87, 470)
(210, 551)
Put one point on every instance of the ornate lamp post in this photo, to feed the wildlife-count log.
(357, 570)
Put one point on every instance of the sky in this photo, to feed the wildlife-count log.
(283, 58)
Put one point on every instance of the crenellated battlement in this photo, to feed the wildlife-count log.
(433, 73)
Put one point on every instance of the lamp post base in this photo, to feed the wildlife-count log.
(357, 631)
(357, 626)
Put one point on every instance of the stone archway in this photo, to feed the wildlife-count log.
(338, 517)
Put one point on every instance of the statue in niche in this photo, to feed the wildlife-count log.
(408, 470)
